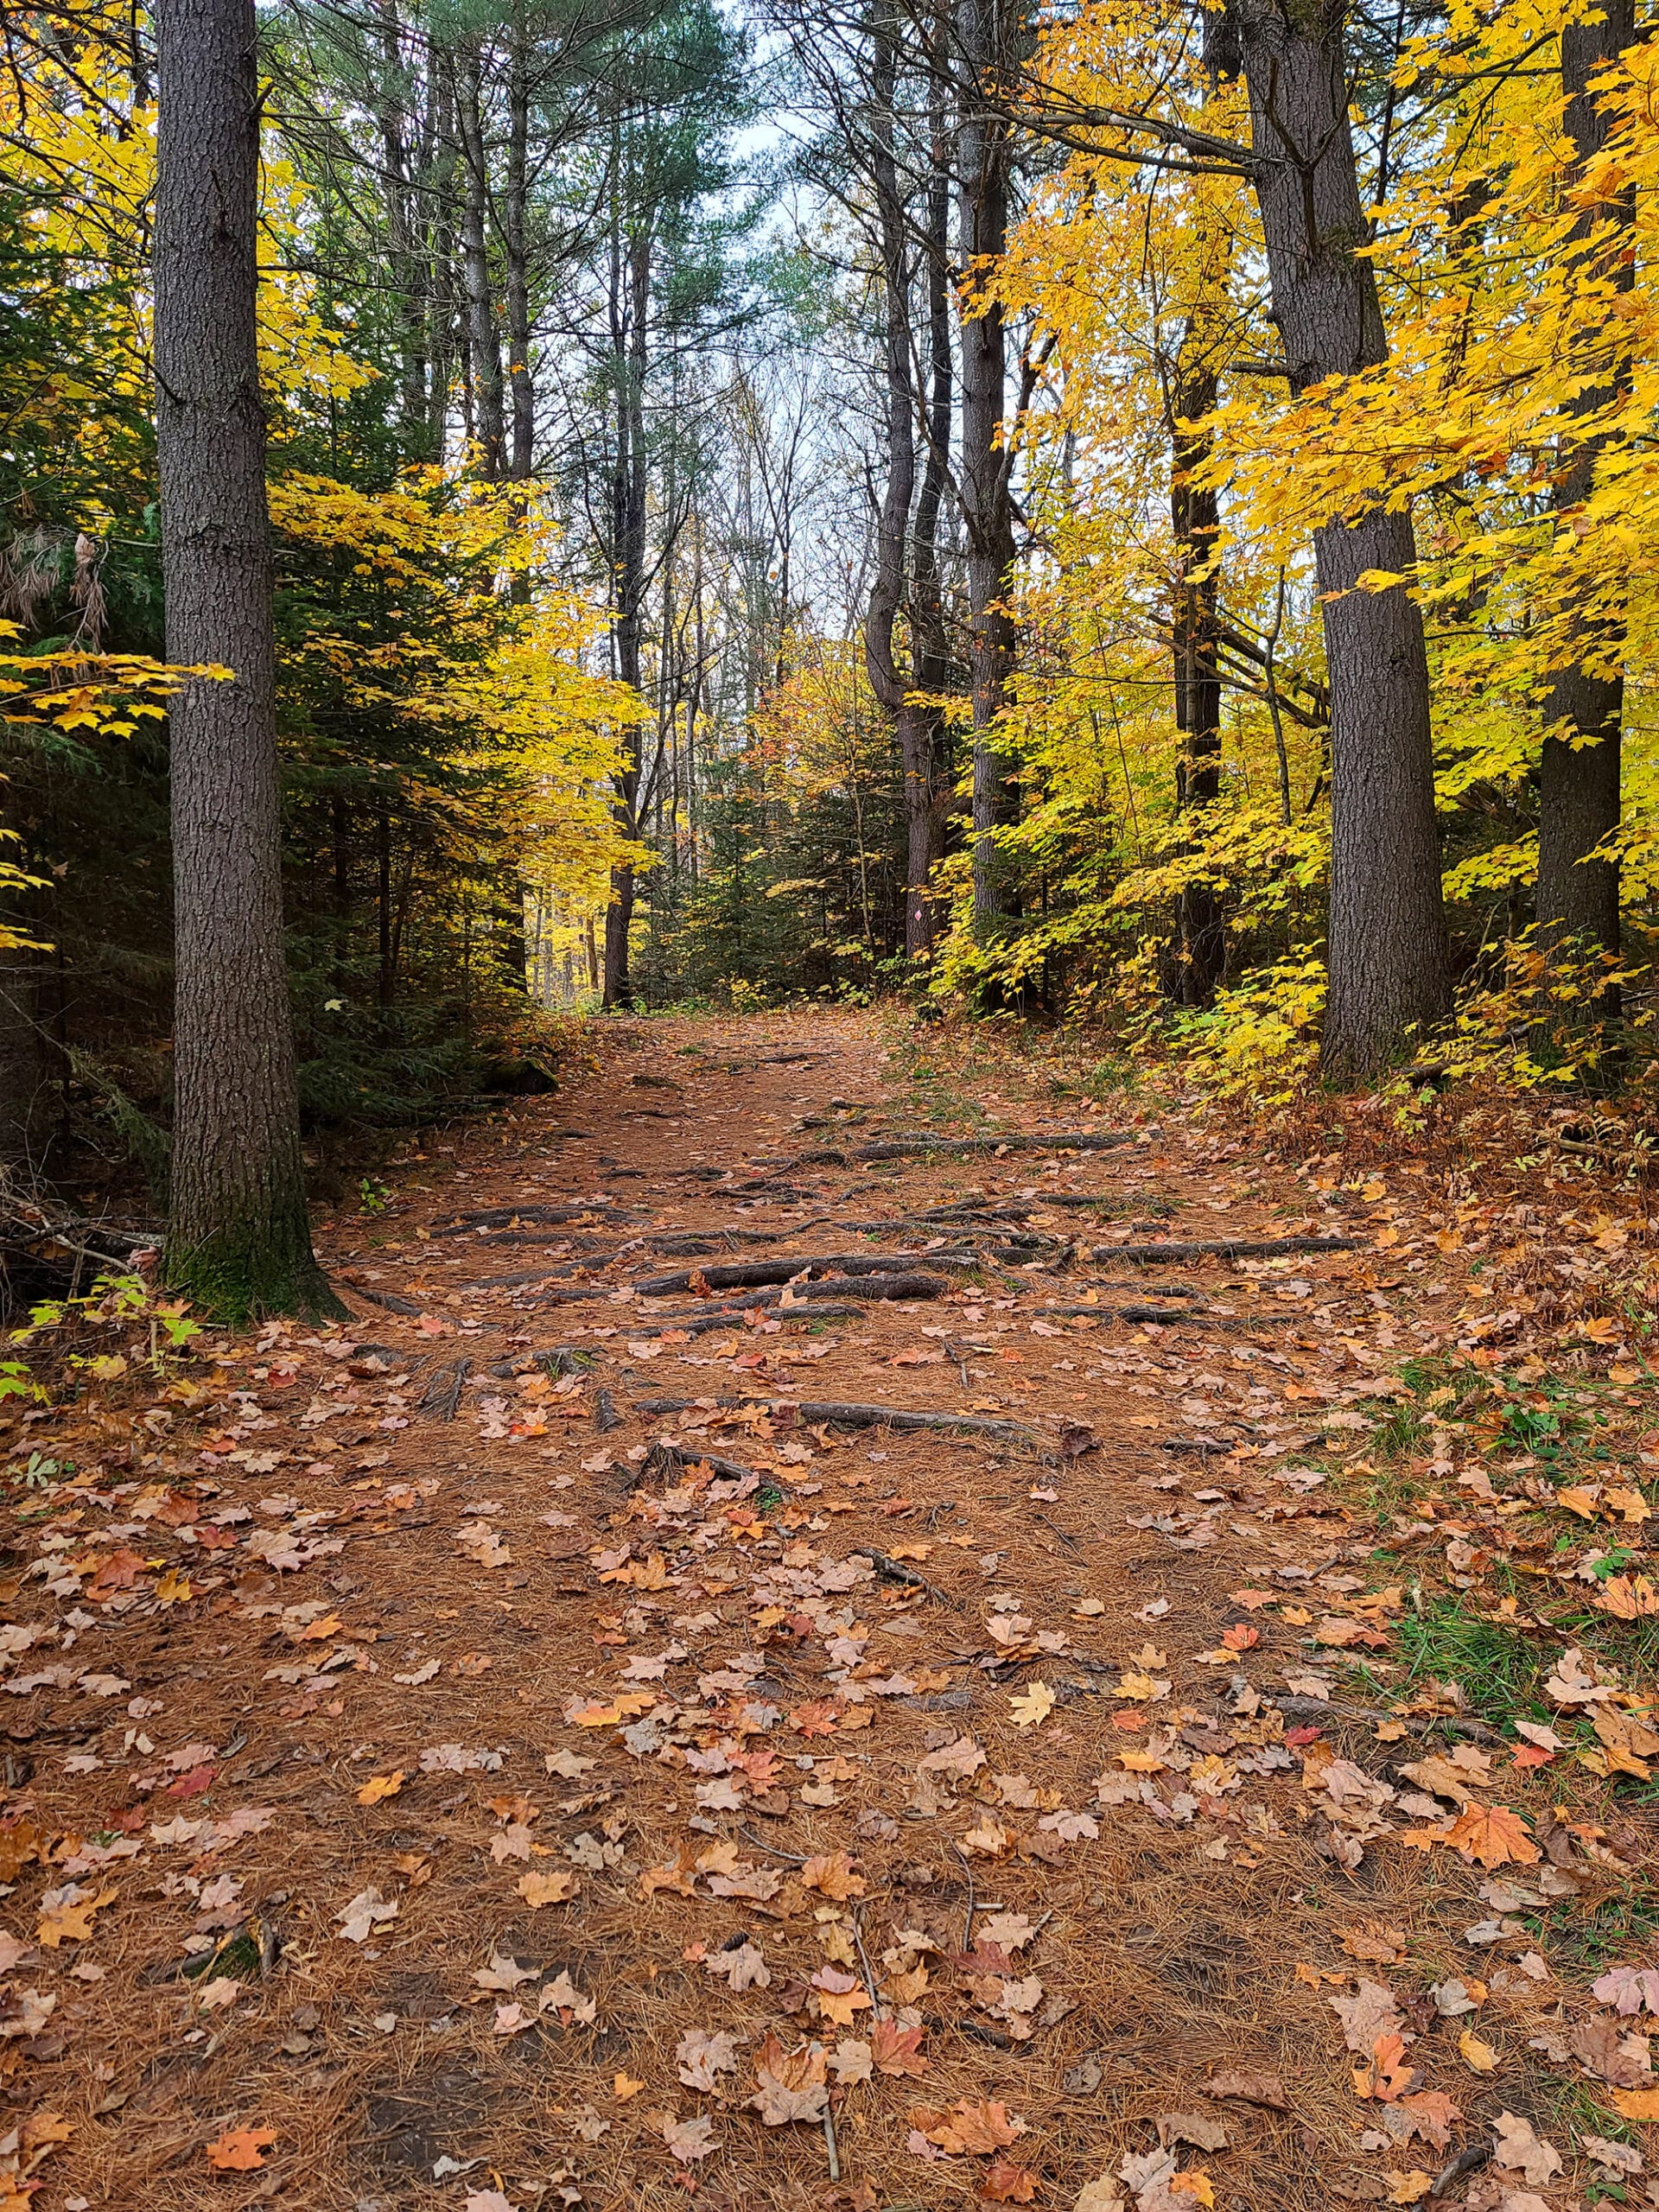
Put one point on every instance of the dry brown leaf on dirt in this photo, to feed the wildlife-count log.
(1248, 2088)
(789, 2085)
(557, 1887)
(1100, 2195)
(365, 1912)
(1623, 2062)
(978, 2127)
(1519, 2149)
(1004, 2182)
(1371, 2013)
(702, 2055)
(1194, 2127)
(688, 2140)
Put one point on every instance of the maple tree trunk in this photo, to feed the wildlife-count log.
(1579, 786)
(1387, 953)
(240, 1239)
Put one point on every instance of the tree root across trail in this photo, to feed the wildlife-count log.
(924, 1704)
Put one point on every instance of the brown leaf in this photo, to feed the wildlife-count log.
(1193, 2128)
(897, 2050)
(968, 2126)
(1250, 2088)
(1521, 2150)
(1620, 2061)
(1007, 2184)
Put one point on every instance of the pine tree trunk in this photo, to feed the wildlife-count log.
(522, 461)
(239, 1241)
(982, 158)
(630, 305)
(1388, 954)
(912, 725)
(483, 347)
(1578, 789)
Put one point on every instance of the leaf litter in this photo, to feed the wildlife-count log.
(679, 1834)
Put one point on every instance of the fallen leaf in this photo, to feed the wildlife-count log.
(1006, 2183)
(367, 1910)
(555, 1888)
(379, 1787)
(1478, 2056)
(1520, 2150)
(688, 2139)
(702, 2057)
(1494, 1835)
(1031, 1706)
(239, 2150)
(1250, 2088)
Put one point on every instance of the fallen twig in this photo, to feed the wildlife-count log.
(890, 1570)
(1419, 1724)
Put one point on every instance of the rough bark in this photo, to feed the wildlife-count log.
(630, 308)
(240, 1242)
(483, 346)
(1578, 782)
(522, 462)
(1388, 954)
(1195, 644)
(982, 154)
(893, 685)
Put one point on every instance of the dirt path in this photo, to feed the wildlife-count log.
(446, 1767)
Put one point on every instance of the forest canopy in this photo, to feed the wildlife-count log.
(1132, 513)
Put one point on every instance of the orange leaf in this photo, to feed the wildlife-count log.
(379, 1786)
(1007, 2184)
(239, 2150)
(1494, 1835)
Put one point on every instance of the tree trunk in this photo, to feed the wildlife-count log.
(1578, 787)
(1388, 954)
(483, 348)
(912, 724)
(522, 465)
(1195, 643)
(240, 1242)
(925, 824)
(631, 301)
(982, 158)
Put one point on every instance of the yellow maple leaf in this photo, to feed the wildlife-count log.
(1030, 1707)
(555, 1888)
(380, 1786)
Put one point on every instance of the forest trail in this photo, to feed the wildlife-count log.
(520, 1787)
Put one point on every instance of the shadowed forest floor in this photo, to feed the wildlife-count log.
(541, 1744)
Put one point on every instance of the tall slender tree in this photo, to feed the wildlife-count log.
(1388, 954)
(1578, 777)
(239, 1239)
